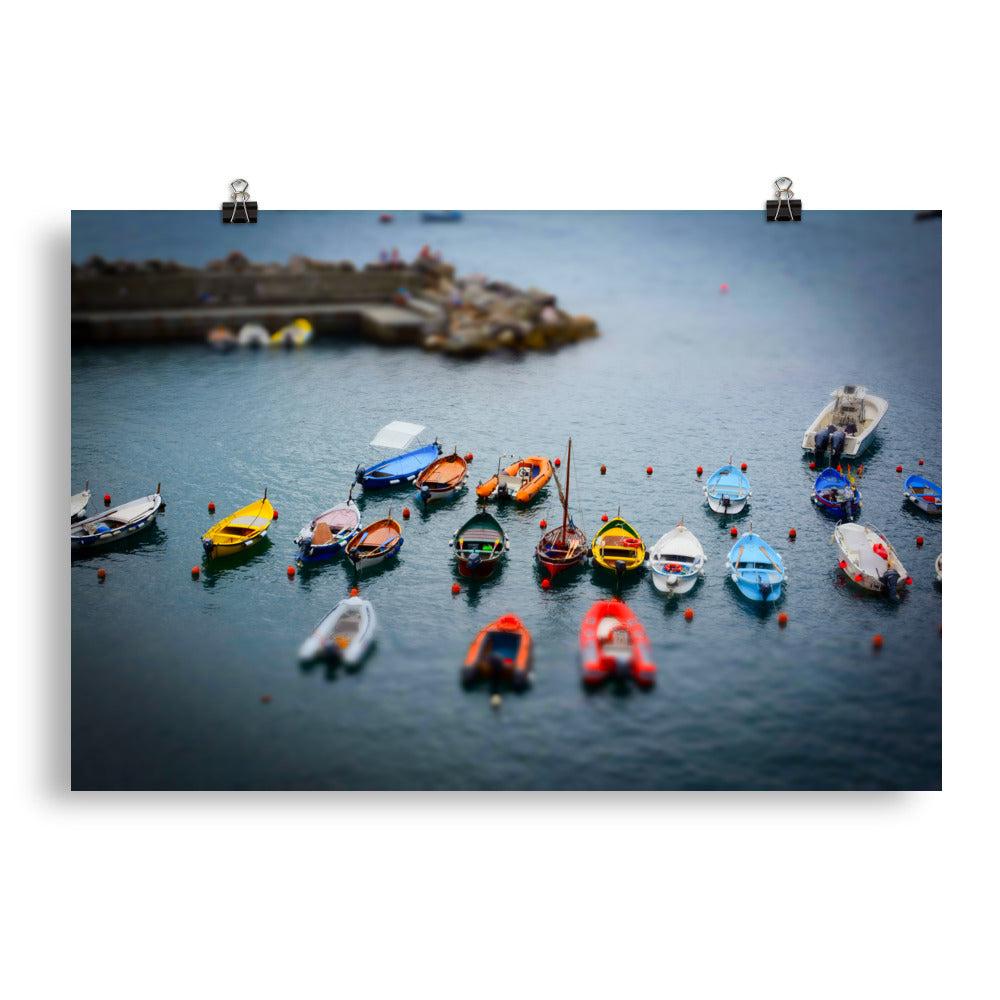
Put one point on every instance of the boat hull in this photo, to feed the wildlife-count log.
(614, 645)
(618, 548)
(442, 479)
(835, 494)
(375, 544)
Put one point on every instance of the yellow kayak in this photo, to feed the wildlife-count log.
(240, 530)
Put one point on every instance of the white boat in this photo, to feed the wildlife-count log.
(937, 567)
(848, 421)
(78, 503)
(676, 561)
(868, 560)
(343, 634)
(253, 335)
(115, 524)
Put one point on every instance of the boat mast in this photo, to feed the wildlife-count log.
(569, 449)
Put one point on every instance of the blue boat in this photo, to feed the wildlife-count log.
(401, 469)
(925, 494)
(727, 490)
(756, 569)
(440, 216)
(836, 494)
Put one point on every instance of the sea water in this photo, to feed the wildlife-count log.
(194, 683)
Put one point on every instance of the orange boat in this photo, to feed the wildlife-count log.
(501, 652)
(442, 478)
(613, 643)
(521, 480)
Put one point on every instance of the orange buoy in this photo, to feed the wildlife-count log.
(455, 588)
(920, 539)
(211, 506)
(265, 699)
(604, 517)
(744, 466)
(877, 642)
(604, 469)
(406, 512)
(732, 532)
(101, 574)
(791, 532)
(649, 470)
(291, 572)
(782, 619)
(899, 468)
(723, 288)
(543, 524)
(274, 516)
(195, 572)
(545, 584)
(688, 614)
(699, 470)
(468, 457)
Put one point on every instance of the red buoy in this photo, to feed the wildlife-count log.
(101, 574)
(468, 457)
(877, 642)
(545, 584)
(604, 469)
(858, 578)
(291, 572)
(195, 572)
(909, 581)
(354, 591)
(791, 533)
(107, 499)
(265, 699)
(211, 506)
(899, 468)
(455, 588)
(557, 463)
(843, 565)
(406, 512)
(274, 516)
(744, 466)
(688, 614)
(649, 470)
(732, 531)
(543, 524)
(699, 470)
(920, 539)
(782, 619)
(604, 517)
(723, 288)
(812, 465)
(920, 462)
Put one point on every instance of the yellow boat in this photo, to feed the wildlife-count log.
(239, 531)
(298, 333)
(618, 547)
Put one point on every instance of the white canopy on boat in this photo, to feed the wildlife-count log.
(398, 434)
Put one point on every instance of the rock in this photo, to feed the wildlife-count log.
(550, 316)
(539, 298)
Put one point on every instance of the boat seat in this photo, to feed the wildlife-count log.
(322, 535)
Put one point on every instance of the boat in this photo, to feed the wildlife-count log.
(676, 561)
(377, 543)
(867, 559)
(727, 490)
(327, 534)
(343, 634)
(618, 547)
(78, 503)
(441, 216)
(846, 425)
(613, 644)
(221, 338)
(253, 335)
(937, 567)
(521, 480)
(837, 493)
(501, 652)
(298, 333)
(115, 524)
(239, 531)
(925, 494)
(402, 468)
(479, 545)
(756, 568)
(564, 546)
(443, 478)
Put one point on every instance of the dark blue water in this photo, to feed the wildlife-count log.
(168, 673)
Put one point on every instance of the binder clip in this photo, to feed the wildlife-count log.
(784, 208)
(240, 209)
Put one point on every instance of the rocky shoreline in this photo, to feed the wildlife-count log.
(433, 307)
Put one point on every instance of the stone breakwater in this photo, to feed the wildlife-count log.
(422, 303)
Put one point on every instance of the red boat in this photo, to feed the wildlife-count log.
(613, 643)
(501, 652)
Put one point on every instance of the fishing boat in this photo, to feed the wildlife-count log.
(240, 531)
(613, 644)
(443, 478)
(937, 567)
(867, 559)
(115, 524)
(327, 534)
(479, 545)
(441, 216)
(846, 425)
(221, 338)
(253, 335)
(676, 561)
(298, 333)
(402, 468)
(925, 494)
(501, 652)
(837, 493)
(344, 634)
(756, 568)
(617, 547)
(521, 480)
(727, 490)
(564, 546)
(78, 503)
(379, 542)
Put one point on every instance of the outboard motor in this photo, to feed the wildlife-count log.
(889, 580)
(425, 492)
(623, 668)
(359, 474)
(821, 442)
(765, 588)
(206, 544)
(305, 544)
(725, 503)
(502, 491)
(837, 442)
(848, 508)
(473, 561)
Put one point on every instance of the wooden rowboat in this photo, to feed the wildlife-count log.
(115, 524)
(443, 478)
(78, 503)
(327, 534)
(377, 543)
(618, 547)
(240, 531)
(479, 545)
(564, 546)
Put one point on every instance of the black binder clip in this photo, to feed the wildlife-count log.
(784, 208)
(240, 209)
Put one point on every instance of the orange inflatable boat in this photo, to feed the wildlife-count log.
(520, 481)
(501, 652)
(613, 643)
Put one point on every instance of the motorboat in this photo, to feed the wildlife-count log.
(520, 480)
(327, 534)
(868, 560)
(500, 653)
(837, 493)
(400, 469)
(375, 544)
(925, 494)
(614, 645)
(727, 490)
(618, 547)
(343, 634)
(115, 524)
(756, 568)
(846, 425)
(443, 478)
(676, 561)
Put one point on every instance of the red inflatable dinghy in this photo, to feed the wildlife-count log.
(613, 643)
